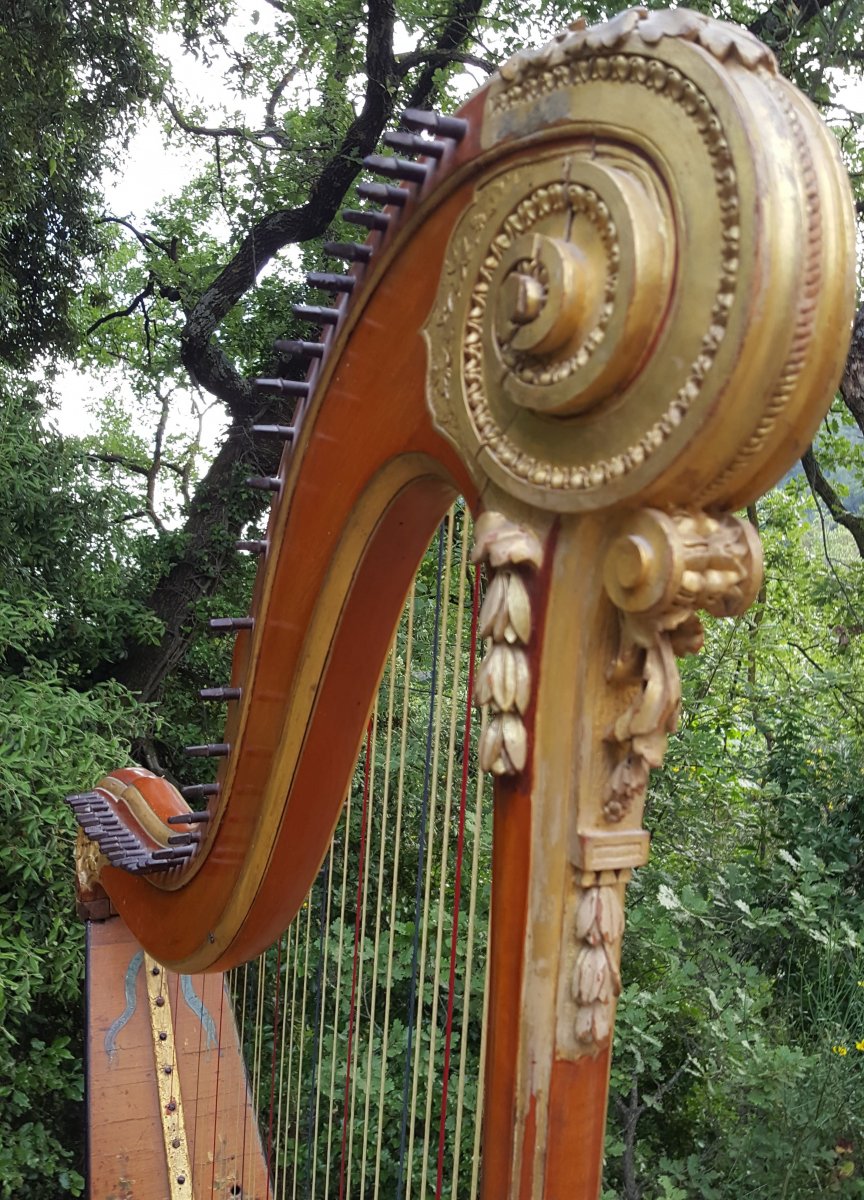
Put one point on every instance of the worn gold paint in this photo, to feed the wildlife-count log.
(177, 1157)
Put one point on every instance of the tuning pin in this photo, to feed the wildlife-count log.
(213, 750)
(183, 839)
(417, 119)
(220, 693)
(78, 799)
(369, 220)
(193, 792)
(230, 624)
(288, 387)
(264, 483)
(330, 282)
(89, 802)
(298, 349)
(134, 864)
(116, 854)
(350, 251)
(383, 193)
(171, 853)
(410, 143)
(254, 547)
(397, 168)
(91, 824)
(312, 312)
(285, 432)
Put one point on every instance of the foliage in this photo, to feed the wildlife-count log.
(50, 734)
(63, 602)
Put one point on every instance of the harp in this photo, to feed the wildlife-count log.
(605, 305)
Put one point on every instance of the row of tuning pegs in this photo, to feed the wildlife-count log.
(122, 847)
(420, 145)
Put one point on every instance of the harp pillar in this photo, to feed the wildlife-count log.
(635, 316)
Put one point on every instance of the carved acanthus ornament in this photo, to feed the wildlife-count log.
(89, 861)
(596, 979)
(504, 678)
(541, 67)
(658, 571)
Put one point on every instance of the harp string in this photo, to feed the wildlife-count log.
(404, 726)
(390, 687)
(441, 674)
(273, 1058)
(361, 1030)
(403, 1188)
(359, 927)
(332, 1112)
(312, 1102)
(460, 840)
(301, 1053)
(198, 1097)
(366, 859)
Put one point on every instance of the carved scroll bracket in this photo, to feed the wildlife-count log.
(659, 569)
(504, 677)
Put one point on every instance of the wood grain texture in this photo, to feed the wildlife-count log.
(126, 1155)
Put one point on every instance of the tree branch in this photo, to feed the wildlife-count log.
(204, 360)
(630, 1114)
(146, 239)
(122, 312)
(129, 464)
(442, 58)
(270, 111)
(218, 131)
(456, 30)
(783, 16)
(823, 490)
(852, 383)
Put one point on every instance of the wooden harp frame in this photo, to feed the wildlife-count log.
(609, 308)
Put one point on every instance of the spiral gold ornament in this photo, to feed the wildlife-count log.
(618, 309)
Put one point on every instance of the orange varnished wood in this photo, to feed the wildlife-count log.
(529, 1137)
(221, 1120)
(577, 1125)
(126, 1152)
(375, 417)
(159, 794)
(126, 1155)
(510, 866)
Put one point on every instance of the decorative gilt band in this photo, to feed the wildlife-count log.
(177, 1159)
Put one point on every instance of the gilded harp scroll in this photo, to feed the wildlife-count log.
(607, 304)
